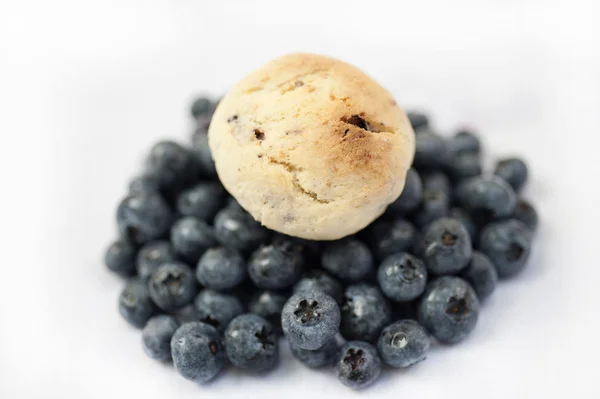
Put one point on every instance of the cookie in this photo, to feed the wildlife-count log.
(311, 146)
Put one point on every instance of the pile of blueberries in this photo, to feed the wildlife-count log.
(210, 286)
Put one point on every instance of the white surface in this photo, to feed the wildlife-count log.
(87, 87)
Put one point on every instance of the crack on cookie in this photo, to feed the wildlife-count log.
(293, 170)
(362, 123)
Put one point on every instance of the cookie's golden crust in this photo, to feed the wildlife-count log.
(311, 146)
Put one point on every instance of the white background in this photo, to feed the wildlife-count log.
(86, 88)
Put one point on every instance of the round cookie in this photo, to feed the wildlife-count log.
(311, 146)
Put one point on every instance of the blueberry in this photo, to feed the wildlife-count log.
(156, 337)
(348, 259)
(171, 164)
(513, 170)
(449, 309)
(403, 343)
(365, 312)
(237, 229)
(202, 106)
(135, 304)
(358, 364)
(202, 201)
(251, 343)
(481, 274)
(437, 181)
(418, 120)
(144, 183)
(276, 266)
(430, 150)
(462, 216)
(526, 213)
(445, 246)
(120, 257)
(268, 305)
(202, 156)
(197, 352)
(152, 255)
(309, 319)
(217, 309)
(191, 237)
(172, 286)
(434, 206)
(318, 280)
(321, 357)
(402, 277)
(464, 142)
(388, 237)
(411, 196)
(508, 244)
(464, 166)
(486, 198)
(221, 269)
(144, 217)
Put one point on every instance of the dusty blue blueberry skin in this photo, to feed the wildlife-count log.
(156, 337)
(402, 277)
(445, 246)
(435, 205)
(221, 269)
(403, 343)
(448, 309)
(365, 312)
(144, 183)
(237, 229)
(464, 142)
(348, 259)
(508, 245)
(430, 150)
(268, 305)
(437, 180)
(202, 201)
(152, 255)
(171, 164)
(276, 266)
(135, 303)
(251, 343)
(202, 106)
(217, 309)
(144, 217)
(514, 171)
(387, 237)
(418, 120)
(172, 286)
(462, 216)
(120, 257)
(309, 319)
(321, 357)
(191, 237)
(411, 196)
(197, 352)
(202, 156)
(526, 213)
(481, 274)
(486, 198)
(464, 166)
(358, 364)
(319, 280)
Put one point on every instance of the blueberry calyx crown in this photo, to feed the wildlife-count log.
(308, 311)
(515, 251)
(264, 337)
(457, 307)
(449, 239)
(355, 359)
